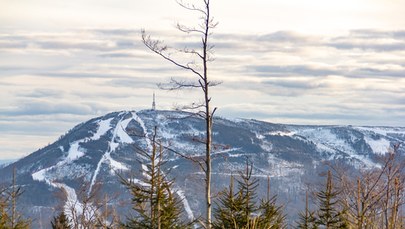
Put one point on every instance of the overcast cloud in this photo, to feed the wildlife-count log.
(62, 63)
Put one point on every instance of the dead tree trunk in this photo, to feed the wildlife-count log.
(200, 70)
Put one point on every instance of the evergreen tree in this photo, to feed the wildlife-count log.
(271, 215)
(230, 210)
(307, 219)
(60, 221)
(153, 199)
(329, 213)
(238, 210)
(247, 194)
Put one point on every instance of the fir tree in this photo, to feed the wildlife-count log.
(235, 209)
(155, 203)
(240, 210)
(307, 219)
(247, 194)
(329, 213)
(271, 215)
(60, 221)
(229, 212)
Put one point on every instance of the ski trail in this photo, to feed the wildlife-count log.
(74, 152)
(145, 132)
(71, 196)
(119, 131)
(149, 146)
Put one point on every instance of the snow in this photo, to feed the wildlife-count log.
(324, 138)
(382, 130)
(266, 146)
(96, 172)
(121, 133)
(73, 205)
(260, 136)
(186, 204)
(71, 197)
(226, 151)
(137, 181)
(327, 141)
(40, 175)
(379, 146)
(115, 165)
(113, 145)
(145, 132)
(144, 170)
(282, 168)
(74, 152)
(238, 155)
(103, 127)
(281, 133)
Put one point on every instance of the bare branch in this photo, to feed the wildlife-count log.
(142, 151)
(186, 29)
(177, 84)
(157, 47)
(192, 7)
(191, 51)
(192, 106)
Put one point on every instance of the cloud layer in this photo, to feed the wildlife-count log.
(51, 81)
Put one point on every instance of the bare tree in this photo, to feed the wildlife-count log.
(375, 197)
(89, 209)
(200, 70)
(10, 217)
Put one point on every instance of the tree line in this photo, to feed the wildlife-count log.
(373, 198)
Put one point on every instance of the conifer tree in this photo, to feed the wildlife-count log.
(270, 215)
(307, 219)
(154, 201)
(240, 210)
(229, 212)
(330, 214)
(60, 221)
(247, 193)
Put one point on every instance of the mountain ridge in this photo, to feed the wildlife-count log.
(292, 155)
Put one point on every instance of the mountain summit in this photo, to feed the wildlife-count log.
(93, 152)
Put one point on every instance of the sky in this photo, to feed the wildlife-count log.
(283, 61)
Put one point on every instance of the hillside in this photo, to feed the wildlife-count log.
(93, 152)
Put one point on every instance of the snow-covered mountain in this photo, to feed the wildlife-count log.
(92, 152)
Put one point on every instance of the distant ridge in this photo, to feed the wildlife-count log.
(5, 162)
(292, 155)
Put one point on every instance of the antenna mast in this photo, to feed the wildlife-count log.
(153, 103)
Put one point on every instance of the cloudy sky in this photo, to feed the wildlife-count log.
(287, 61)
